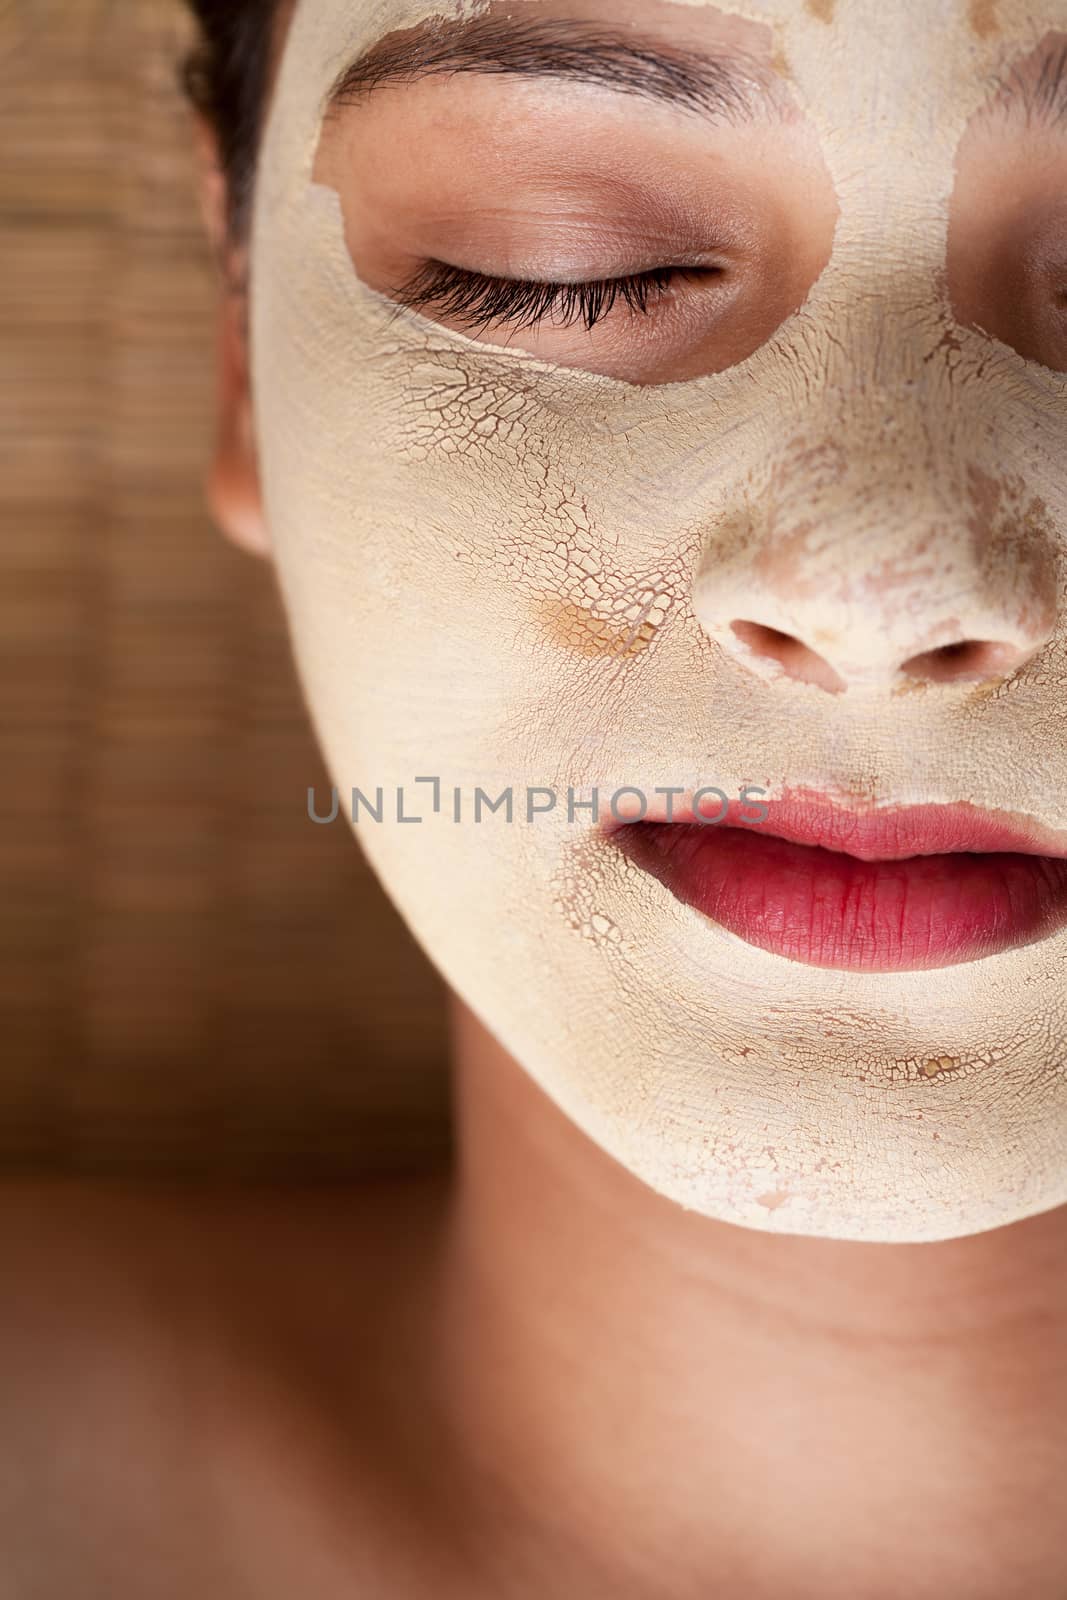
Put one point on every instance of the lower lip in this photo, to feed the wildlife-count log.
(828, 909)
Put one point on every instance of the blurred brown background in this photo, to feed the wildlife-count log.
(193, 977)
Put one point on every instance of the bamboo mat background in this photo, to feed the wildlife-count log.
(193, 977)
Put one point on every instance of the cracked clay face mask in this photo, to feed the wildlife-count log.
(795, 525)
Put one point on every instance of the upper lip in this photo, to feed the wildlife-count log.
(883, 833)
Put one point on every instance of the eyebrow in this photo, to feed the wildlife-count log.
(1043, 103)
(724, 87)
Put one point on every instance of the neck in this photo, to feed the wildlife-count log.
(665, 1401)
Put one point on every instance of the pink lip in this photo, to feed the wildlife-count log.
(878, 890)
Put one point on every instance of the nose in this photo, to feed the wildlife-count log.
(835, 577)
(771, 650)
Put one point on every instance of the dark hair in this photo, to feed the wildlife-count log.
(227, 78)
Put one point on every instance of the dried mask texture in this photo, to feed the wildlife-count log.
(510, 574)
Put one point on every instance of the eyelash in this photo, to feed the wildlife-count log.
(479, 300)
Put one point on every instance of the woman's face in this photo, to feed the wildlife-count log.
(663, 396)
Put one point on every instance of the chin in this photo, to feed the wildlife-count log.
(916, 1207)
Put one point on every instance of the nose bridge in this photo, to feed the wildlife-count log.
(860, 516)
(879, 535)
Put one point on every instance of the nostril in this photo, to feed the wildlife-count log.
(796, 659)
(964, 661)
(961, 661)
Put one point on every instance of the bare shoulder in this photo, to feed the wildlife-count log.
(177, 1356)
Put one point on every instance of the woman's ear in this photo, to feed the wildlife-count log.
(233, 486)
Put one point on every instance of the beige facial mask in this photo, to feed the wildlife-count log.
(505, 573)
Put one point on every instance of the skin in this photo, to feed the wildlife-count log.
(535, 1375)
(449, 1387)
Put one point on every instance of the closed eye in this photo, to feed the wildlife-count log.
(478, 301)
